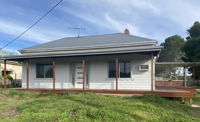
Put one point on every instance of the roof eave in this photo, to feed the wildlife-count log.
(57, 54)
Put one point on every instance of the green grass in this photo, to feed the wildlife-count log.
(20, 106)
(197, 98)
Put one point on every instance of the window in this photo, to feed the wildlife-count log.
(112, 70)
(124, 69)
(44, 70)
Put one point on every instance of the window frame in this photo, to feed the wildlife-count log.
(44, 72)
(119, 69)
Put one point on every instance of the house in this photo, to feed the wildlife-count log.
(14, 70)
(112, 61)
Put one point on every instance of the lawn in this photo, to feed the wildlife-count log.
(20, 106)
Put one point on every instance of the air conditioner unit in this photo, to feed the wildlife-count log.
(143, 67)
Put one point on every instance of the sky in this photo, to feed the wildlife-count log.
(154, 19)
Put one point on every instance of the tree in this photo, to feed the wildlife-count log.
(172, 49)
(171, 52)
(192, 49)
(194, 31)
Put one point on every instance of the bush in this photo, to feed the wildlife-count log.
(9, 77)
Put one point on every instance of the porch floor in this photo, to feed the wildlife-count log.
(160, 91)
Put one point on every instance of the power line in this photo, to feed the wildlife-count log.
(32, 25)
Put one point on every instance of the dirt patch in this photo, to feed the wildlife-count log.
(2, 97)
(7, 114)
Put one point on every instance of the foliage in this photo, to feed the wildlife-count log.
(171, 52)
(92, 107)
(192, 48)
(194, 31)
(172, 49)
(9, 77)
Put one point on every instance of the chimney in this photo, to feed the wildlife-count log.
(126, 31)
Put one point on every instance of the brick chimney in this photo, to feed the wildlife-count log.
(126, 31)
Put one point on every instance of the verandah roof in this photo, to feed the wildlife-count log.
(178, 64)
(79, 53)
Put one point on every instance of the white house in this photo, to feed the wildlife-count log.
(112, 61)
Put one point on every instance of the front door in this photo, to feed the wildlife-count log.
(78, 75)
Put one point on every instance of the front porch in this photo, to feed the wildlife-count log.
(139, 82)
(162, 91)
(114, 72)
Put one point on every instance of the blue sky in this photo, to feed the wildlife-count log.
(153, 19)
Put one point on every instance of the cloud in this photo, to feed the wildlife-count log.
(9, 52)
(38, 35)
(150, 18)
(104, 20)
(182, 13)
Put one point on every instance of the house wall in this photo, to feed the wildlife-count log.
(98, 73)
(16, 70)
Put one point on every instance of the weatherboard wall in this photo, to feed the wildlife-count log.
(98, 73)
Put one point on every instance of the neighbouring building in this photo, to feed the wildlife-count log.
(14, 69)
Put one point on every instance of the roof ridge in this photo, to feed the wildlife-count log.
(115, 38)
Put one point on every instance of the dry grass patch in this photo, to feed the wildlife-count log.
(8, 114)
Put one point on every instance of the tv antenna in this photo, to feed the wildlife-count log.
(78, 30)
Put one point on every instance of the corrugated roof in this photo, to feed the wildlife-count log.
(118, 39)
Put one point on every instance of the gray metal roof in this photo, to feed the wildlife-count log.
(90, 45)
(108, 40)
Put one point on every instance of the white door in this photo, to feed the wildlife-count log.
(78, 75)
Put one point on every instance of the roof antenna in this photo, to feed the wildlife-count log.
(78, 29)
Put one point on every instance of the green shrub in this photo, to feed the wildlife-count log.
(9, 77)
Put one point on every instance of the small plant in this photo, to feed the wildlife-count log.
(9, 77)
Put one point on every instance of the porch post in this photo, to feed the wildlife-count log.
(5, 83)
(83, 68)
(27, 74)
(184, 76)
(194, 73)
(152, 61)
(117, 70)
(54, 78)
